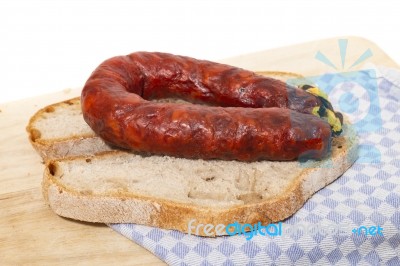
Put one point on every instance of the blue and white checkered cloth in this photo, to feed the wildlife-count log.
(368, 195)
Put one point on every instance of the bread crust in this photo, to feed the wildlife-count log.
(65, 147)
(167, 214)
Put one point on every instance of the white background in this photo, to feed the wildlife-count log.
(47, 46)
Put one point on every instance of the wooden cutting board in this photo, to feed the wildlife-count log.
(30, 233)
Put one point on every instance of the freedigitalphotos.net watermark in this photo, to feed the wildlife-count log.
(280, 229)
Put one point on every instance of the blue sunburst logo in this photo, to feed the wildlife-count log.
(354, 93)
(342, 43)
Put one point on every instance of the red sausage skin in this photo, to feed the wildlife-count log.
(251, 118)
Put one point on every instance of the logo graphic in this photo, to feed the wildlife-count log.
(343, 49)
(352, 93)
(368, 230)
(236, 228)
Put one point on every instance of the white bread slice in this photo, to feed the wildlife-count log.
(59, 131)
(87, 180)
(168, 192)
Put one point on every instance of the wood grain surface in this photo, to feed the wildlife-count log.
(31, 234)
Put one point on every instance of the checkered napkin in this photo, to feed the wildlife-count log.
(360, 211)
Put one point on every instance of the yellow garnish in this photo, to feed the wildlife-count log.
(325, 111)
(317, 92)
(315, 111)
(333, 121)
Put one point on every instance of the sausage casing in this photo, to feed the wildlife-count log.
(251, 117)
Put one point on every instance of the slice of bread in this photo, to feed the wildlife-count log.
(59, 131)
(167, 192)
(85, 179)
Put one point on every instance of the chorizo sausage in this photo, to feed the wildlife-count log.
(251, 117)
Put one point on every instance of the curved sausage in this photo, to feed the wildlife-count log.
(239, 126)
